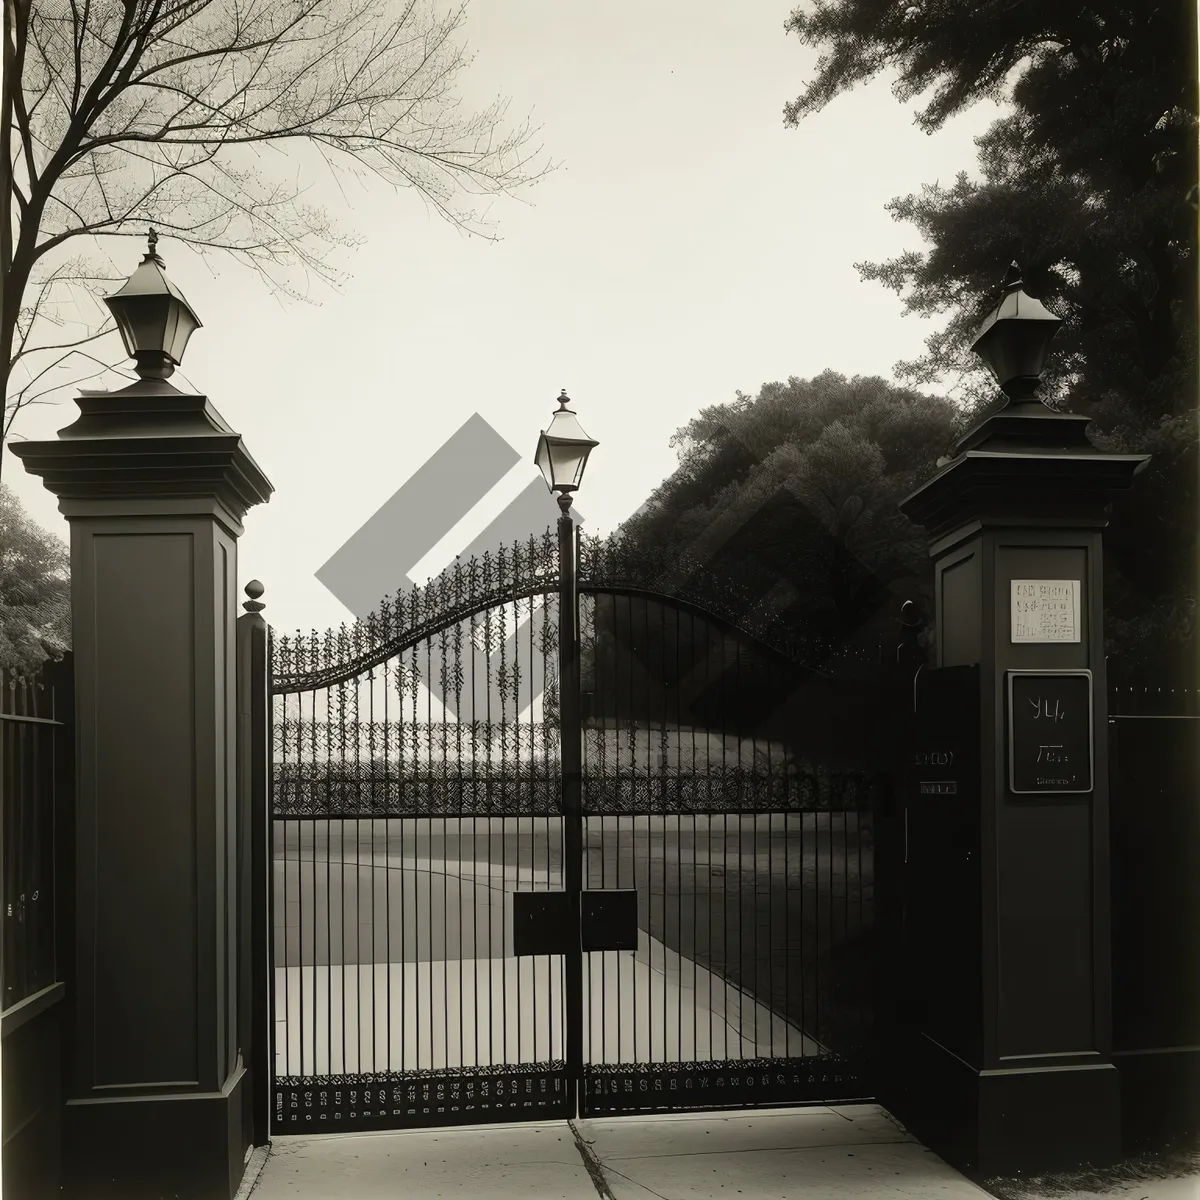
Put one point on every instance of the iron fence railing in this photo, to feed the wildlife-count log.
(35, 730)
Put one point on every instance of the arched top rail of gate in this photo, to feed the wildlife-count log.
(304, 662)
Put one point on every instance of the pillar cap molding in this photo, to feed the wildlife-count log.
(1019, 465)
(147, 442)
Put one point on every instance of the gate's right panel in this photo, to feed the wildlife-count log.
(719, 782)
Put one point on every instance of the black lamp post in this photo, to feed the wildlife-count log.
(154, 318)
(562, 456)
(1014, 339)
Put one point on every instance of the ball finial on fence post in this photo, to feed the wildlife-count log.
(253, 589)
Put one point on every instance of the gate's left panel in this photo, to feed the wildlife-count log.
(411, 796)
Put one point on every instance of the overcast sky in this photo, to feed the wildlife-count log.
(688, 246)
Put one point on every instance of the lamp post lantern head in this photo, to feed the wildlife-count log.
(1014, 339)
(154, 318)
(563, 449)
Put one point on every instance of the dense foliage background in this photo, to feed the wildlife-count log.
(792, 496)
(35, 592)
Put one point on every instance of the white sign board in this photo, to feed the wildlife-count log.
(1045, 610)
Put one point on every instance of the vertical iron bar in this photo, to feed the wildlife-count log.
(541, 790)
(368, 785)
(678, 685)
(724, 696)
(646, 717)
(599, 769)
(429, 826)
(387, 869)
(443, 781)
(6, 800)
(458, 835)
(415, 771)
(616, 792)
(39, 738)
(754, 900)
(531, 786)
(633, 814)
(341, 710)
(741, 814)
(846, 871)
(817, 963)
(283, 932)
(472, 651)
(570, 737)
(772, 689)
(300, 912)
(786, 957)
(695, 838)
(660, 672)
(329, 809)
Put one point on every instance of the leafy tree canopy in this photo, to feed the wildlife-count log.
(793, 494)
(35, 591)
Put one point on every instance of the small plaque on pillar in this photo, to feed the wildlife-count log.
(1050, 732)
(1045, 610)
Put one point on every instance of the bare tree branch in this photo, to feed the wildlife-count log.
(117, 116)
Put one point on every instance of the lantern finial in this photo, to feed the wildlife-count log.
(563, 449)
(1014, 339)
(154, 319)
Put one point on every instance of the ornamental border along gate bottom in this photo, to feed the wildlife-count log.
(415, 817)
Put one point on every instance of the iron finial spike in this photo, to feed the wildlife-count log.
(1012, 277)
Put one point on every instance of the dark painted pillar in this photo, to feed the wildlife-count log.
(155, 486)
(1008, 1062)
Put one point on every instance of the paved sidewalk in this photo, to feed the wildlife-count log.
(853, 1151)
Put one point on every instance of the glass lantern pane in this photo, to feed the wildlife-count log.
(542, 458)
(568, 463)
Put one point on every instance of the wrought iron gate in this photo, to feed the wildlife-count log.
(415, 795)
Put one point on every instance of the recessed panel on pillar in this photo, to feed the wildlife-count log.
(141, 812)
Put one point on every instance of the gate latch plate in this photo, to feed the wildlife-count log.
(608, 919)
(541, 923)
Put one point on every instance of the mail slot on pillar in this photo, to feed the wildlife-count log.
(945, 757)
(942, 857)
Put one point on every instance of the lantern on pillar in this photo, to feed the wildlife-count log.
(563, 449)
(1014, 339)
(154, 318)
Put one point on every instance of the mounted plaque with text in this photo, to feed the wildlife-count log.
(1050, 732)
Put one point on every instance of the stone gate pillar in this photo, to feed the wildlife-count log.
(1008, 1066)
(155, 485)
